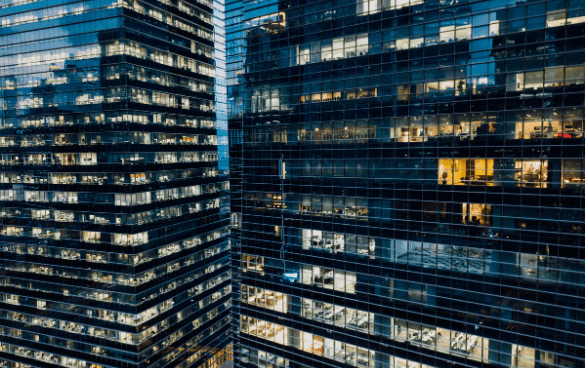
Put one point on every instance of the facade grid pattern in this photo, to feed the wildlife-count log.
(114, 244)
(411, 182)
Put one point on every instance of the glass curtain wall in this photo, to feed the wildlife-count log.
(114, 246)
(411, 183)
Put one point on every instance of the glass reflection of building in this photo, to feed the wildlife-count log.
(412, 176)
(114, 245)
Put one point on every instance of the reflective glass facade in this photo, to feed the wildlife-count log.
(234, 82)
(412, 182)
(114, 246)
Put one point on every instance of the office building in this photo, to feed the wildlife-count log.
(234, 62)
(412, 183)
(114, 246)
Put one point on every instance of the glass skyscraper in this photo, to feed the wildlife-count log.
(412, 182)
(114, 247)
(234, 62)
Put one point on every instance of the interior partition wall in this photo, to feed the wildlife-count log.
(411, 183)
(114, 247)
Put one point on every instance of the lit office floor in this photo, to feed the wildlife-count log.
(448, 258)
(523, 357)
(467, 345)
